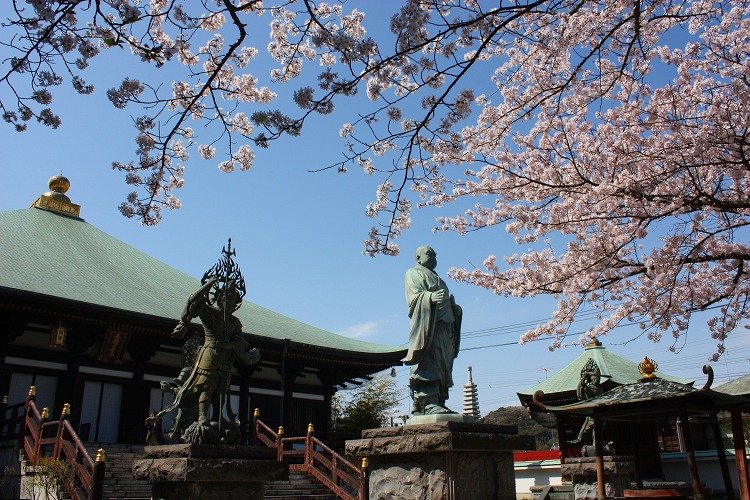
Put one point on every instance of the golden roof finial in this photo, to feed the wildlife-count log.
(647, 367)
(594, 343)
(55, 200)
(58, 186)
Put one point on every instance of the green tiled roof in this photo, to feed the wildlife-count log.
(58, 256)
(651, 392)
(614, 368)
(738, 387)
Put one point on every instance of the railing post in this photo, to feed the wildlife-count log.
(280, 444)
(28, 415)
(364, 486)
(97, 481)
(38, 450)
(254, 437)
(335, 468)
(308, 446)
(65, 415)
(31, 396)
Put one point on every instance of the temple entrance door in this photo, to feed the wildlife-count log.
(101, 411)
(46, 387)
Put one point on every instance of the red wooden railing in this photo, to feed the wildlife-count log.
(312, 456)
(86, 477)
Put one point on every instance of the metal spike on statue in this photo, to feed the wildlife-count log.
(229, 279)
(201, 391)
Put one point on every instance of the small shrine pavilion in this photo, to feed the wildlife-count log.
(634, 405)
(605, 370)
(88, 320)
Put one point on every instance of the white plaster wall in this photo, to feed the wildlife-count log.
(675, 468)
(674, 465)
(539, 473)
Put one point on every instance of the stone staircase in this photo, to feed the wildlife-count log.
(119, 482)
(118, 473)
(299, 487)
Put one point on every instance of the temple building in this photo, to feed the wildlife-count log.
(88, 320)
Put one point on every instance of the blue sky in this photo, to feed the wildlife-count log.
(299, 238)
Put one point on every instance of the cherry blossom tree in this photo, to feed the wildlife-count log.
(610, 138)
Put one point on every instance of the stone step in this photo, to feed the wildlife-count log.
(300, 486)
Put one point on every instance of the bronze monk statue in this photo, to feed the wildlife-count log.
(434, 336)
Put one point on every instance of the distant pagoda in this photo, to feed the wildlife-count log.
(471, 400)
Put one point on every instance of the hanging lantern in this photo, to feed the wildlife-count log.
(57, 336)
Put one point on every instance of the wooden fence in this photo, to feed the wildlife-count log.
(84, 479)
(310, 455)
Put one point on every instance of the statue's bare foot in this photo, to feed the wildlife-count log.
(201, 432)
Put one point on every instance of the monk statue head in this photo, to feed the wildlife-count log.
(426, 257)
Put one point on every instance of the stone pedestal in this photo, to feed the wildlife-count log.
(618, 472)
(441, 461)
(209, 472)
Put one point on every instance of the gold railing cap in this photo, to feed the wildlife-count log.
(100, 455)
(5, 399)
(281, 429)
(256, 413)
(365, 463)
(310, 428)
(32, 391)
(45, 413)
(66, 409)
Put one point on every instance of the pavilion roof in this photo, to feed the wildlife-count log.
(648, 396)
(49, 254)
(615, 371)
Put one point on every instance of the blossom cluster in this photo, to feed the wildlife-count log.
(608, 138)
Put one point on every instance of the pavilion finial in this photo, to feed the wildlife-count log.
(647, 367)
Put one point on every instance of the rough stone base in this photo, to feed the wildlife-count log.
(441, 461)
(210, 472)
(618, 472)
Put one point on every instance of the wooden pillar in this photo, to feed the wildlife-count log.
(284, 386)
(561, 439)
(244, 407)
(135, 408)
(695, 479)
(600, 481)
(722, 455)
(636, 449)
(328, 393)
(740, 454)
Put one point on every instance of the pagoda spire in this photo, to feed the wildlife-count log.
(471, 400)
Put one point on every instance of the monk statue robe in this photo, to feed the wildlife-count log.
(434, 336)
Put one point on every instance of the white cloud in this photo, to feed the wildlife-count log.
(361, 330)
